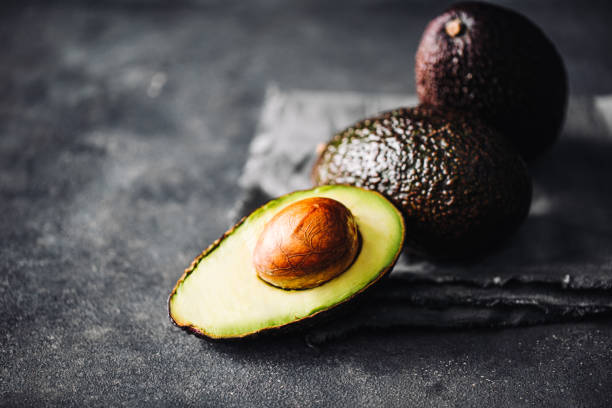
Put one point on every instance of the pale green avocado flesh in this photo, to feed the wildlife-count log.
(221, 296)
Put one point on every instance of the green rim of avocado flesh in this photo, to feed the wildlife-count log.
(220, 296)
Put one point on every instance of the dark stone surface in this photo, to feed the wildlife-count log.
(123, 129)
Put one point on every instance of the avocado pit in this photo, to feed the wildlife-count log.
(306, 244)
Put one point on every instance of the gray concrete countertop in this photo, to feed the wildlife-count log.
(124, 126)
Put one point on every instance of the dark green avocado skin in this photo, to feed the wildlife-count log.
(460, 185)
(500, 66)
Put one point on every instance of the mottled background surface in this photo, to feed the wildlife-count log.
(124, 128)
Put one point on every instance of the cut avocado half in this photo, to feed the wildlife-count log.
(220, 295)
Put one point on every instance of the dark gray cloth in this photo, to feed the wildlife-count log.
(559, 263)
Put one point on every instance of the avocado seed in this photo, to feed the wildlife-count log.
(306, 244)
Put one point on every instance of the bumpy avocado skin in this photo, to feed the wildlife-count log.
(460, 185)
(501, 66)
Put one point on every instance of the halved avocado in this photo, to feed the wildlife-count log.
(220, 295)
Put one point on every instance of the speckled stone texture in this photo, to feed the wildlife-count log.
(124, 127)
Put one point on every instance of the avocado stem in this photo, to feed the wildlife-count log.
(454, 27)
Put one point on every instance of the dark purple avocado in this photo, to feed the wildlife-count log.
(496, 63)
(461, 186)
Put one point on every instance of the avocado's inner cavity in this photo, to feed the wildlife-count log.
(454, 27)
(306, 244)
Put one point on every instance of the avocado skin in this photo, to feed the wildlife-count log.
(502, 66)
(461, 186)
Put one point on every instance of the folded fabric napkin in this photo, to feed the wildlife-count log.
(557, 266)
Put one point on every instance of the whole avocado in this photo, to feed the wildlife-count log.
(460, 185)
(495, 62)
